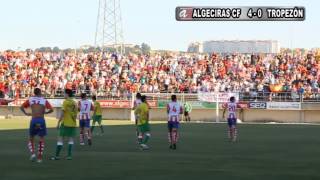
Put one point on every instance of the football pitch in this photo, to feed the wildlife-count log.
(263, 152)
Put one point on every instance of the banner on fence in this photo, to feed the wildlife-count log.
(216, 97)
(53, 102)
(241, 105)
(162, 104)
(122, 103)
(201, 105)
(103, 103)
(284, 105)
(17, 102)
(115, 103)
(257, 105)
(56, 102)
(194, 104)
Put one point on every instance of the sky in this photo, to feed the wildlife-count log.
(72, 23)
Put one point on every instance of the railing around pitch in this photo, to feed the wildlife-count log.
(77, 94)
(270, 96)
(243, 96)
(283, 97)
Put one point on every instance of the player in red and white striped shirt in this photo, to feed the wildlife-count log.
(174, 109)
(84, 107)
(38, 105)
(232, 118)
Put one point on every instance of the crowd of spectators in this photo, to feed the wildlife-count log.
(107, 74)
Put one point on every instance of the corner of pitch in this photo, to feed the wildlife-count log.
(294, 13)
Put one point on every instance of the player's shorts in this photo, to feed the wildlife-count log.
(143, 128)
(38, 127)
(186, 113)
(97, 118)
(173, 124)
(65, 131)
(84, 123)
(232, 122)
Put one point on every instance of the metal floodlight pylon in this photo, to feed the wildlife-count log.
(109, 26)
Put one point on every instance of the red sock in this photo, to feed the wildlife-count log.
(169, 137)
(40, 149)
(230, 133)
(174, 137)
(81, 137)
(177, 136)
(31, 146)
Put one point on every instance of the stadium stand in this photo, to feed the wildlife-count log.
(114, 76)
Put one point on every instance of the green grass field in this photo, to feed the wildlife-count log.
(262, 152)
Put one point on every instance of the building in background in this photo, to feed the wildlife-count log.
(236, 46)
(195, 47)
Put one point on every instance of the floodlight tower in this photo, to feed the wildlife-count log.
(109, 26)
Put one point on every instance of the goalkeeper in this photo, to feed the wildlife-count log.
(187, 110)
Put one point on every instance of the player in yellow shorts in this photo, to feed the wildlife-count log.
(97, 115)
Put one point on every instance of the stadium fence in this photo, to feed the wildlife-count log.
(254, 107)
(182, 96)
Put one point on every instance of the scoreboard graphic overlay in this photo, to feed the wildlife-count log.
(228, 13)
